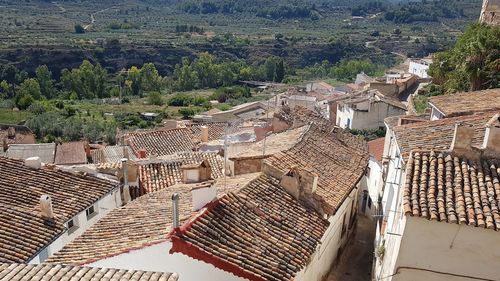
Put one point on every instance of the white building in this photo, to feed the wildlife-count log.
(372, 183)
(420, 67)
(43, 208)
(367, 110)
(401, 140)
(439, 233)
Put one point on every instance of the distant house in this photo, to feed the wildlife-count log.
(159, 142)
(395, 84)
(43, 208)
(247, 111)
(45, 151)
(367, 110)
(420, 67)
(112, 154)
(465, 103)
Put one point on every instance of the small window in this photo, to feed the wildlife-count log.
(72, 225)
(90, 212)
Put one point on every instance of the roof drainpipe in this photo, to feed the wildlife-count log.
(175, 210)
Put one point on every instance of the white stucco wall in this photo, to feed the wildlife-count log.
(107, 203)
(436, 114)
(344, 113)
(157, 258)
(447, 248)
(322, 260)
(373, 185)
(374, 118)
(418, 69)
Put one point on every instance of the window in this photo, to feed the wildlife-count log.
(72, 225)
(90, 212)
(367, 172)
(348, 123)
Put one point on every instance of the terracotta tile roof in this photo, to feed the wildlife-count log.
(274, 143)
(161, 142)
(258, 233)
(467, 103)
(338, 157)
(16, 134)
(215, 130)
(376, 148)
(437, 134)
(49, 272)
(23, 232)
(46, 151)
(159, 175)
(299, 116)
(393, 121)
(445, 188)
(71, 153)
(112, 154)
(145, 221)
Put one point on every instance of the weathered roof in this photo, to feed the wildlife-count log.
(376, 148)
(215, 130)
(446, 188)
(16, 134)
(437, 134)
(249, 234)
(71, 153)
(338, 157)
(50, 272)
(161, 142)
(273, 143)
(112, 154)
(467, 102)
(143, 222)
(23, 232)
(158, 175)
(46, 151)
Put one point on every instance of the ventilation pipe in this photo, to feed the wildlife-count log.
(46, 207)
(175, 210)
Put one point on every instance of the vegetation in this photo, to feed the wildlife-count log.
(472, 64)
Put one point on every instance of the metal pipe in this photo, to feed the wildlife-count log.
(175, 210)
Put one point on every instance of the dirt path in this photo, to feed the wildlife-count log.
(92, 17)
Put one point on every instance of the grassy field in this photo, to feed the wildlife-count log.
(8, 116)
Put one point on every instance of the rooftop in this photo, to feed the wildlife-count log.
(248, 234)
(274, 143)
(49, 272)
(71, 153)
(46, 151)
(158, 175)
(438, 134)
(442, 187)
(16, 134)
(215, 130)
(161, 142)
(467, 103)
(142, 222)
(21, 188)
(338, 157)
(112, 154)
(376, 148)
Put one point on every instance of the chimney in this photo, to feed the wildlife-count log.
(204, 133)
(491, 142)
(126, 189)
(202, 195)
(33, 162)
(5, 145)
(86, 146)
(175, 210)
(142, 153)
(302, 184)
(462, 139)
(46, 207)
(11, 132)
(125, 152)
(193, 173)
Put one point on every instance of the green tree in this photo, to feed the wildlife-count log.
(30, 87)
(44, 77)
(280, 71)
(472, 64)
(186, 79)
(150, 78)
